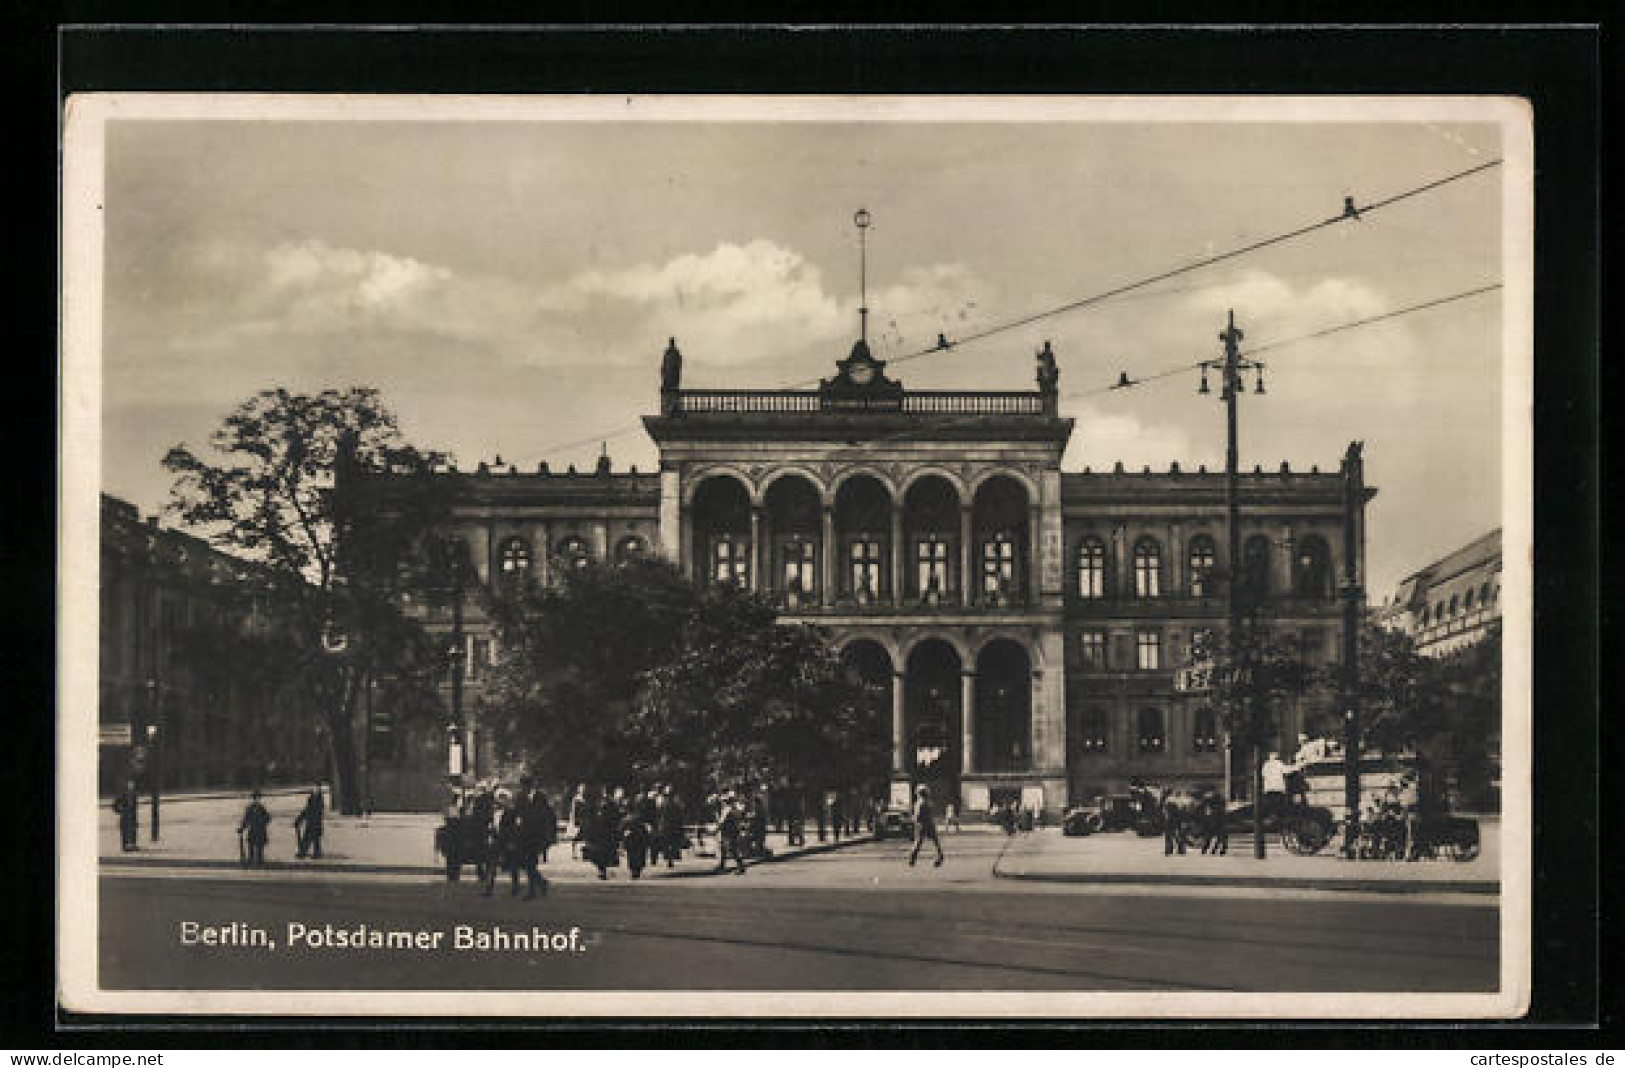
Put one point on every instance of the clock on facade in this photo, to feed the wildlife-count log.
(861, 372)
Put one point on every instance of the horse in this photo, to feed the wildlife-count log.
(1182, 812)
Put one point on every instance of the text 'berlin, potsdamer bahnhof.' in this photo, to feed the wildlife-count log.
(1029, 622)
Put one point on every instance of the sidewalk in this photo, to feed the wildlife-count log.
(201, 833)
(1124, 858)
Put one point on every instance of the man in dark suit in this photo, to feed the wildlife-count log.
(255, 827)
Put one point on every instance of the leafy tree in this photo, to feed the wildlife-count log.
(631, 672)
(754, 704)
(284, 484)
(1253, 680)
(574, 654)
(1447, 709)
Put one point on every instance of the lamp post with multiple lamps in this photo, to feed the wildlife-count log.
(155, 757)
(1230, 367)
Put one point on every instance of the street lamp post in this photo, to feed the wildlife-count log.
(155, 759)
(1231, 367)
(455, 551)
(1353, 597)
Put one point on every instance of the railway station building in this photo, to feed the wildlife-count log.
(1028, 622)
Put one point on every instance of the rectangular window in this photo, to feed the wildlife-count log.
(932, 557)
(998, 565)
(866, 568)
(730, 561)
(1148, 649)
(798, 559)
(1094, 650)
(479, 657)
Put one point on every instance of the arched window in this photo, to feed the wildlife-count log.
(1203, 560)
(1205, 731)
(1092, 731)
(630, 548)
(1455, 605)
(1467, 601)
(513, 559)
(1484, 594)
(573, 551)
(1147, 568)
(1312, 570)
(1092, 568)
(1150, 735)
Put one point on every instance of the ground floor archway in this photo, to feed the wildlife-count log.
(934, 717)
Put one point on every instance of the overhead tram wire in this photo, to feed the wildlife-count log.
(1288, 342)
(1351, 212)
(1186, 368)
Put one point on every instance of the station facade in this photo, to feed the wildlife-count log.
(1029, 622)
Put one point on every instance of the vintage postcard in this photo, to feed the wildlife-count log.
(796, 556)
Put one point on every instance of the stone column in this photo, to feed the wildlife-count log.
(965, 574)
(967, 722)
(757, 553)
(1053, 542)
(1285, 549)
(897, 551)
(544, 554)
(686, 541)
(1178, 580)
(826, 559)
(1049, 705)
(899, 725)
(671, 511)
(1035, 531)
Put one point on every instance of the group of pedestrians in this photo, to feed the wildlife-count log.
(254, 829)
(645, 827)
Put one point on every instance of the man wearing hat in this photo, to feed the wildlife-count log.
(254, 826)
(729, 832)
(925, 826)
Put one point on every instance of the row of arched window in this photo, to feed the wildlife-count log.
(1475, 599)
(1311, 570)
(515, 558)
(1150, 732)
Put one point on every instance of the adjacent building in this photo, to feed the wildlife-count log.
(1028, 622)
(1451, 603)
(175, 708)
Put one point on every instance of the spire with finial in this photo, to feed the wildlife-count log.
(603, 458)
(862, 221)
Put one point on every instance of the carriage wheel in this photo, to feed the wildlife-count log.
(1464, 851)
(1304, 837)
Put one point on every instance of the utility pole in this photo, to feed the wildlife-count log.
(1231, 367)
(1353, 598)
(458, 651)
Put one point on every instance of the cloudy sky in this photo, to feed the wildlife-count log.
(510, 286)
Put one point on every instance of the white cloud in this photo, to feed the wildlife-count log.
(316, 277)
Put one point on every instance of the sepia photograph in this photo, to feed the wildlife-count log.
(745, 556)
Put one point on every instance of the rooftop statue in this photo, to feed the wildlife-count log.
(1049, 375)
(671, 368)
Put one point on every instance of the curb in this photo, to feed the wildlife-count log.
(223, 795)
(212, 864)
(349, 868)
(778, 858)
(1283, 882)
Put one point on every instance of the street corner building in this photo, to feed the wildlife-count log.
(175, 704)
(1030, 623)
